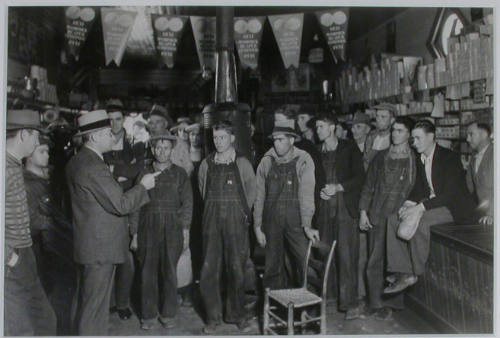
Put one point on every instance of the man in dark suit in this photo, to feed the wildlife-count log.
(338, 214)
(480, 170)
(439, 196)
(100, 209)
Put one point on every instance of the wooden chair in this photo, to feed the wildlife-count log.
(301, 298)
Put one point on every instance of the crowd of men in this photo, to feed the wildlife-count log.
(137, 208)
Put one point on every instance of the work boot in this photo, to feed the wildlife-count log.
(244, 326)
(384, 313)
(404, 281)
(167, 322)
(353, 312)
(211, 328)
(149, 324)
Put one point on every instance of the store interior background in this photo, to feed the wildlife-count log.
(36, 37)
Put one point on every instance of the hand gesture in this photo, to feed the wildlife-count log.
(261, 237)
(311, 234)
(148, 181)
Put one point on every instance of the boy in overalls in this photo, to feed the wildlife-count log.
(163, 233)
(227, 185)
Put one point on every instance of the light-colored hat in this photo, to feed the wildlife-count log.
(92, 121)
(192, 127)
(387, 106)
(180, 125)
(164, 136)
(23, 119)
(360, 117)
(285, 127)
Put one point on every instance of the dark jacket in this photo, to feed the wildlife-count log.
(448, 180)
(350, 174)
(480, 183)
(127, 162)
(100, 209)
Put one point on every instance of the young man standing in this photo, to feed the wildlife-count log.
(284, 205)
(125, 161)
(227, 185)
(26, 307)
(380, 138)
(338, 214)
(480, 170)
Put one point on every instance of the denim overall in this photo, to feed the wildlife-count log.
(281, 221)
(225, 244)
(160, 244)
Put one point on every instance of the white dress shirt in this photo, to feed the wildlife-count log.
(427, 161)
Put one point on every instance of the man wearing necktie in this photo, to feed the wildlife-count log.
(480, 170)
(439, 196)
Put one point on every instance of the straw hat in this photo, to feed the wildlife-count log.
(92, 121)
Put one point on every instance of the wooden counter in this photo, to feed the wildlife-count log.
(456, 291)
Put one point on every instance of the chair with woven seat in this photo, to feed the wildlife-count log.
(311, 294)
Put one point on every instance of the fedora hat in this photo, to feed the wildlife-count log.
(23, 119)
(164, 136)
(386, 106)
(193, 127)
(284, 127)
(158, 110)
(92, 121)
(360, 117)
(113, 105)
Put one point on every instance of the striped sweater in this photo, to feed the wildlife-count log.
(17, 220)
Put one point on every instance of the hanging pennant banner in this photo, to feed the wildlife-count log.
(167, 32)
(79, 20)
(116, 27)
(334, 26)
(204, 36)
(287, 30)
(248, 35)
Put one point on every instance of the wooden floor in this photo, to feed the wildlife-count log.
(189, 323)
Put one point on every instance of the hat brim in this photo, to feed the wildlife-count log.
(163, 137)
(81, 133)
(14, 126)
(283, 133)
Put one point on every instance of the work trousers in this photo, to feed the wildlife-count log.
(347, 260)
(160, 249)
(225, 248)
(375, 270)
(276, 236)
(410, 256)
(92, 299)
(27, 311)
(124, 278)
